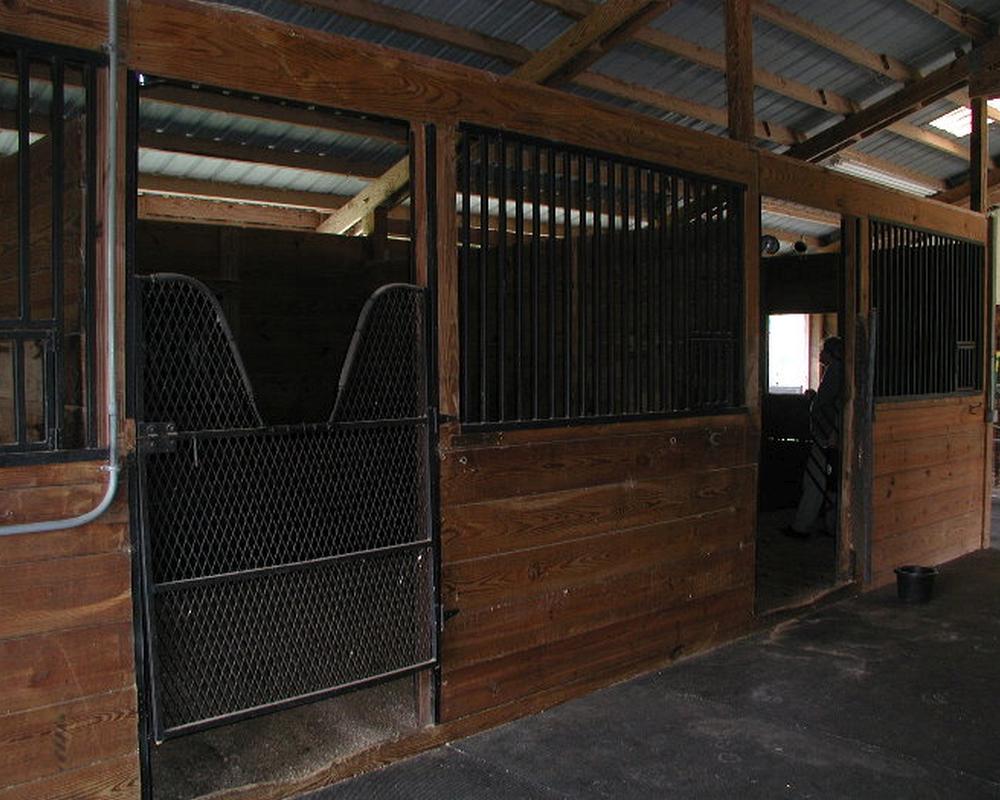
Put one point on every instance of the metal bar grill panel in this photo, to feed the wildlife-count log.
(927, 290)
(635, 298)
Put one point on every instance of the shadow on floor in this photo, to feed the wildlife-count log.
(867, 698)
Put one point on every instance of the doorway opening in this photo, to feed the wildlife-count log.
(802, 375)
(282, 511)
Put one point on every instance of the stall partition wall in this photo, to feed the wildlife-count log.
(582, 538)
(68, 715)
(930, 431)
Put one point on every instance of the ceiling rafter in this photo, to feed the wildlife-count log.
(894, 108)
(962, 20)
(604, 20)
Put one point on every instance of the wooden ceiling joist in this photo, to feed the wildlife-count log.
(896, 107)
(604, 20)
(218, 190)
(268, 111)
(881, 63)
(228, 151)
(962, 20)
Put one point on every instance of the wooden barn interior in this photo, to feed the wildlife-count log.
(377, 372)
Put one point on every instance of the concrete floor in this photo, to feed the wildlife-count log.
(866, 698)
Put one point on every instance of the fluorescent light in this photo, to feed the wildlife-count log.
(842, 163)
(959, 121)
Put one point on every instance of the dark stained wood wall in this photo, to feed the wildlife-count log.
(581, 555)
(292, 299)
(929, 489)
(68, 724)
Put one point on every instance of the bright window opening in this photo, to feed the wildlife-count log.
(788, 353)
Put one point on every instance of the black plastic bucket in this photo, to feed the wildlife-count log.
(915, 584)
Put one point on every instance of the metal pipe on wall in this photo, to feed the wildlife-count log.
(110, 245)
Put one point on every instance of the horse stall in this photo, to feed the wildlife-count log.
(353, 402)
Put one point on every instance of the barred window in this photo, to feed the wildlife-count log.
(594, 287)
(927, 290)
(47, 185)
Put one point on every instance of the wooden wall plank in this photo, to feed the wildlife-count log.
(41, 742)
(486, 581)
(478, 475)
(489, 528)
(57, 667)
(43, 596)
(928, 493)
(682, 630)
(117, 779)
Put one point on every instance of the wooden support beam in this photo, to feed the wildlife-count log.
(937, 141)
(377, 193)
(217, 190)
(892, 109)
(962, 20)
(601, 22)
(770, 131)
(620, 35)
(229, 151)
(739, 70)
(219, 212)
(270, 111)
(959, 193)
(881, 63)
(543, 65)
(397, 19)
(979, 156)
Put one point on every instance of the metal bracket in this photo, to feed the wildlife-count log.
(157, 437)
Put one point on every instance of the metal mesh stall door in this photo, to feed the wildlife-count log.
(282, 563)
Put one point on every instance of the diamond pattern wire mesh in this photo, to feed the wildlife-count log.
(285, 560)
(192, 373)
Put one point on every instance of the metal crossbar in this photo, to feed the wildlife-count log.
(283, 563)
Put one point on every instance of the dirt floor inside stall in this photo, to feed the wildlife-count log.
(865, 698)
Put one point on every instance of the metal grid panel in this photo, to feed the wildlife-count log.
(927, 291)
(282, 563)
(593, 286)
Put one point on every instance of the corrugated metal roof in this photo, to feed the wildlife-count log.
(894, 27)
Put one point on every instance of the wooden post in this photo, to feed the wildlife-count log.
(447, 270)
(979, 156)
(739, 69)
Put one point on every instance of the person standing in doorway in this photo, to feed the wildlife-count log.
(822, 469)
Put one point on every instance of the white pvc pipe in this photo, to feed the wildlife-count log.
(110, 258)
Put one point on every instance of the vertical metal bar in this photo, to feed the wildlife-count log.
(652, 296)
(611, 327)
(567, 288)
(635, 389)
(536, 241)
(623, 405)
(551, 277)
(484, 283)
(666, 296)
(597, 294)
(502, 281)
(88, 309)
(465, 278)
(55, 421)
(24, 183)
(519, 277)
(582, 267)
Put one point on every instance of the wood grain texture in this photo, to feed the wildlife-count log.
(558, 545)
(117, 779)
(42, 742)
(56, 667)
(928, 491)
